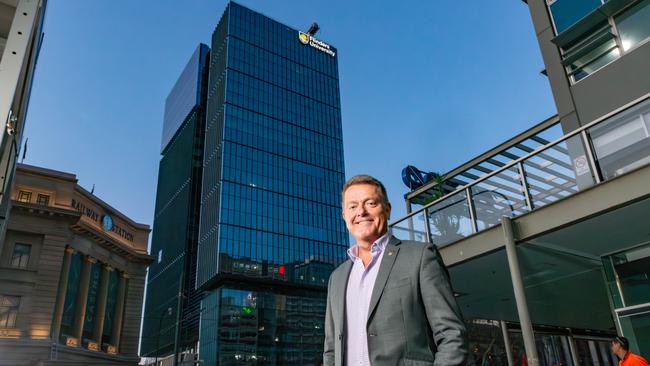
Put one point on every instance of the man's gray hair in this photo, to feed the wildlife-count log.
(366, 179)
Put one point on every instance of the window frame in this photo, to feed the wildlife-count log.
(22, 194)
(6, 319)
(610, 24)
(41, 196)
(23, 262)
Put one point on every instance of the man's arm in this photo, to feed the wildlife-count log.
(328, 349)
(441, 308)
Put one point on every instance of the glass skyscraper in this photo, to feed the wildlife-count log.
(176, 219)
(270, 230)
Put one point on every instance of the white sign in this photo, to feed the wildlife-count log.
(307, 39)
(581, 165)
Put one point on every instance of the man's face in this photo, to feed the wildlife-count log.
(364, 212)
(616, 347)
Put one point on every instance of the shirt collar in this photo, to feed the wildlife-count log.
(377, 247)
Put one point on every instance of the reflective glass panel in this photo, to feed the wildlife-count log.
(633, 273)
(20, 256)
(8, 311)
(412, 228)
(594, 60)
(244, 327)
(450, 220)
(567, 12)
(552, 349)
(636, 328)
(622, 143)
(595, 352)
(499, 195)
(634, 25)
(557, 172)
(485, 341)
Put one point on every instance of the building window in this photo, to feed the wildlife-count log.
(634, 25)
(20, 256)
(592, 39)
(160, 253)
(583, 62)
(566, 13)
(8, 311)
(43, 199)
(24, 196)
(622, 143)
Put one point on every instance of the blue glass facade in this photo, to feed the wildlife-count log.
(184, 96)
(270, 229)
(176, 219)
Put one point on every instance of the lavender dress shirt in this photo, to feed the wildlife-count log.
(357, 301)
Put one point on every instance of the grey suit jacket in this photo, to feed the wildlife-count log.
(413, 317)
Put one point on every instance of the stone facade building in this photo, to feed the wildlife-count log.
(72, 272)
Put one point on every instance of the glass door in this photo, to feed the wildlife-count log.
(635, 325)
(628, 277)
(552, 349)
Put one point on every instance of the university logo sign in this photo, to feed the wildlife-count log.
(303, 37)
(307, 39)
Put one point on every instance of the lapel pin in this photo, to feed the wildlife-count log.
(390, 253)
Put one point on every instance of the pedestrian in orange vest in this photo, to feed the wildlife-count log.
(621, 348)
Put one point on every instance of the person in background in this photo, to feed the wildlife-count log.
(621, 348)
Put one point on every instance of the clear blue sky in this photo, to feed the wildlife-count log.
(427, 83)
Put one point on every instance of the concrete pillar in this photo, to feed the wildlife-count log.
(118, 316)
(102, 297)
(60, 295)
(520, 294)
(82, 298)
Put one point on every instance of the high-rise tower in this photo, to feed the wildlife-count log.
(270, 228)
(176, 218)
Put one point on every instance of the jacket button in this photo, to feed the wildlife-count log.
(340, 336)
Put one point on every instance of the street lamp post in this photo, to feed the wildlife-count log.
(167, 311)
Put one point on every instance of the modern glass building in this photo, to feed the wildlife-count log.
(269, 229)
(176, 219)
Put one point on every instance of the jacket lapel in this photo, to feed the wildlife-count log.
(386, 265)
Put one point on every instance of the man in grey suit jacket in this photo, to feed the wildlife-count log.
(391, 303)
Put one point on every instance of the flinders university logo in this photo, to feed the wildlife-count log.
(303, 37)
(307, 39)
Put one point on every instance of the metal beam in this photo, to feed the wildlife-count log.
(517, 180)
(506, 342)
(409, 209)
(542, 155)
(573, 350)
(520, 294)
(567, 251)
(494, 151)
(594, 201)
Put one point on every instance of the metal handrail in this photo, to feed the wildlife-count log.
(515, 162)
